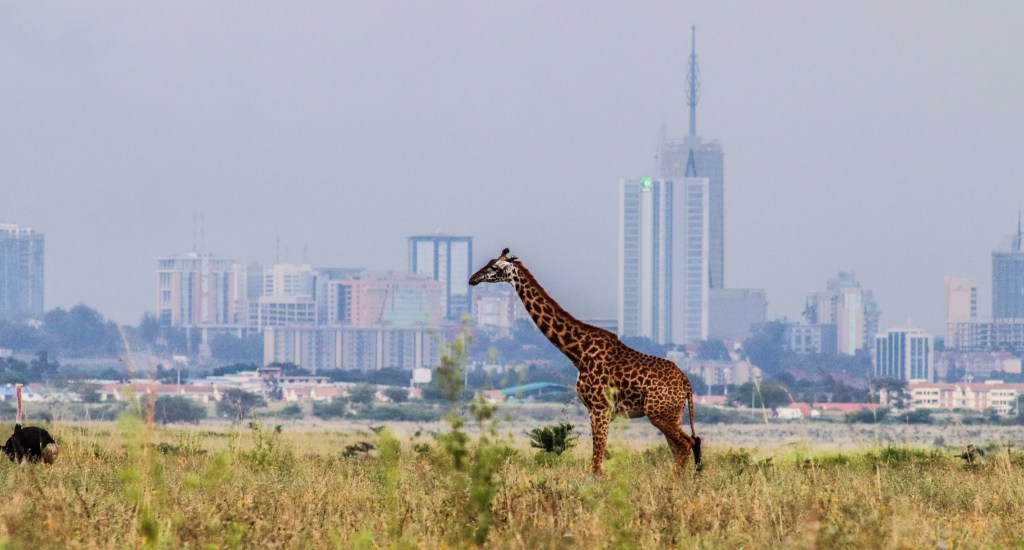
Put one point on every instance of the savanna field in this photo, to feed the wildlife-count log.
(476, 482)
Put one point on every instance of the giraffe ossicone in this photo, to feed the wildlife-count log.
(643, 385)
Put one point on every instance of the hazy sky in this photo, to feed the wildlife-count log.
(880, 137)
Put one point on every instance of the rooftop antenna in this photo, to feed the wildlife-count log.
(195, 241)
(1017, 237)
(693, 83)
(692, 97)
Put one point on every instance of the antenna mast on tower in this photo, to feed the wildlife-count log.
(693, 83)
(692, 97)
(1017, 238)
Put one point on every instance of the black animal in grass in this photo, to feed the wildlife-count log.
(29, 443)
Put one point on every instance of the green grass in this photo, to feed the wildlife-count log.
(133, 486)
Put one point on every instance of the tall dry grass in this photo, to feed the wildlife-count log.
(133, 486)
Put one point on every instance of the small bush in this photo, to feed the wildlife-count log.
(408, 412)
(335, 408)
(868, 416)
(170, 409)
(554, 439)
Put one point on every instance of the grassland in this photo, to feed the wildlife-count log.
(128, 485)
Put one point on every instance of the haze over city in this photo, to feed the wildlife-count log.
(879, 138)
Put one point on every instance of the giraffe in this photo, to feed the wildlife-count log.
(613, 378)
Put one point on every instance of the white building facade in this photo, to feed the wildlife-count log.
(663, 259)
(905, 354)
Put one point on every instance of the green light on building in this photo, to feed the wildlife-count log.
(646, 184)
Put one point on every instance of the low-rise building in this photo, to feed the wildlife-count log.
(964, 366)
(990, 395)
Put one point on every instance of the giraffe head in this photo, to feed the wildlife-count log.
(499, 270)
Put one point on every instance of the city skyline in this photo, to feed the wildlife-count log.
(874, 138)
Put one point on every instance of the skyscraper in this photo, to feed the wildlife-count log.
(694, 157)
(201, 290)
(447, 259)
(663, 260)
(1008, 280)
(848, 308)
(21, 272)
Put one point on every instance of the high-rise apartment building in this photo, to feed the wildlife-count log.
(318, 348)
(200, 290)
(663, 259)
(694, 157)
(904, 354)
(1008, 280)
(961, 305)
(447, 259)
(21, 272)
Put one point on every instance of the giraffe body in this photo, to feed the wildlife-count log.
(613, 378)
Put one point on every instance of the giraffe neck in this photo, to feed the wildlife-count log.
(563, 330)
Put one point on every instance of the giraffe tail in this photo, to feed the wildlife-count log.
(693, 433)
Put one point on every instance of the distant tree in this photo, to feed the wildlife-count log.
(917, 416)
(149, 329)
(713, 350)
(290, 369)
(386, 376)
(159, 337)
(868, 416)
(21, 336)
(361, 394)
(896, 394)
(769, 394)
(292, 411)
(238, 404)
(88, 391)
(432, 393)
(335, 408)
(172, 409)
(228, 347)
(111, 373)
(8, 411)
(82, 331)
(273, 389)
(397, 395)
(166, 375)
(13, 371)
(766, 347)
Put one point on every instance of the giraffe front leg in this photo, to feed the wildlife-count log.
(599, 429)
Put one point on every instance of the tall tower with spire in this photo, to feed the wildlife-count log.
(1008, 279)
(693, 157)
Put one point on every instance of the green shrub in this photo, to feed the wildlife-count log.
(170, 409)
(554, 439)
(407, 412)
(335, 408)
(868, 416)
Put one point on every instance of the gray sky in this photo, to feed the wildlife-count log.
(880, 137)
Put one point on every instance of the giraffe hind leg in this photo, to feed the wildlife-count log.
(680, 443)
(599, 428)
